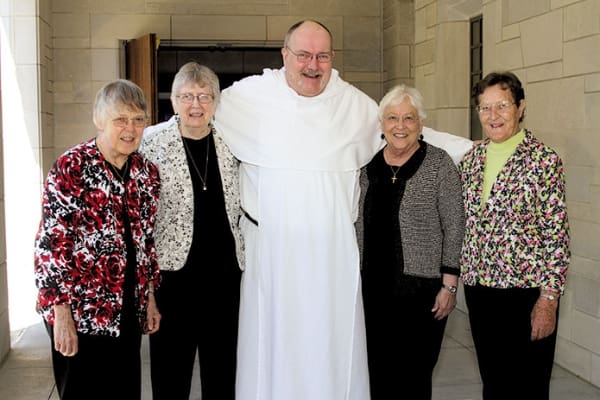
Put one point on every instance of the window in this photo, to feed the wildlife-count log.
(476, 71)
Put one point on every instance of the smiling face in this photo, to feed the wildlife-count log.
(401, 127)
(499, 124)
(307, 78)
(195, 117)
(117, 141)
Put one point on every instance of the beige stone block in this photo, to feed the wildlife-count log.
(362, 33)
(592, 83)
(431, 14)
(105, 64)
(365, 8)
(578, 187)
(119, 6)
(72, 64)
(581, 244)
(492, 33)
(68, 43)
(47, 131)
(70, 6)
(422, 3)
(511, 32)
(107, 30)
(573, 357)
(420, 25)
(397, 62)
(508, 55)
(371, 77)
(584, 268)
(595, 203)
(367, 60)
(579, 210)
(582, 19)
(595, 379)
(585, 331)
(564, 113)
(424, 52)
(561, 3)
(544, 72)
(372, 89)
(71, 26)
(592, 116)
(220, 27)
(519, 10)
(452, 120)
(452, 53)
(586, 295)
(582, 56)
(541, 38)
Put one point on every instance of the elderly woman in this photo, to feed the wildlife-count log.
(196, 238)
(413, 230)
(95, 261)
(515, 254)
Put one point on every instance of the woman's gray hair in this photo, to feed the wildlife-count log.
(192, 72)
(398, 94)
(117, 95)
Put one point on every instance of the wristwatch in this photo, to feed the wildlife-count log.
(549, 296)
(451, 289)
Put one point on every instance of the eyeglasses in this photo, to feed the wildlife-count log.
(499, 107)
(408, 119)
(305, 56)
(122, 122)
(203, 98)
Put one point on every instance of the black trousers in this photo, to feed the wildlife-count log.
(199, 316)
(511, 365)
(403, 341)
(104, 367)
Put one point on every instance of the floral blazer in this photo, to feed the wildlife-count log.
(520, 238)
(163, 145)
(80, 250)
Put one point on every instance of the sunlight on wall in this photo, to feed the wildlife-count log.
(20, 108)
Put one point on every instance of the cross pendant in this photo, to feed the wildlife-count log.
(394, 179)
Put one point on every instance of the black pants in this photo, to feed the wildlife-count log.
(511, 365)
(403, 341)
(199, 315)
(104, 367)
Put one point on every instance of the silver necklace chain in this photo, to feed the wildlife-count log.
(394, 179)
(188, 151)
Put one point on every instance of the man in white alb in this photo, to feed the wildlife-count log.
(302, 134)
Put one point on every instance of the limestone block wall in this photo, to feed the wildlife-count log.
(86, 37)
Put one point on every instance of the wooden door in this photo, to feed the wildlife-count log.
(141, 68)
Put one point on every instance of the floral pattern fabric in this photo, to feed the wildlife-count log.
(80, 249)
(520, 236)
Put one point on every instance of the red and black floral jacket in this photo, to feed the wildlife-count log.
(80, 250)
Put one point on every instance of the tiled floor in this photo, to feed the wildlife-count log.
(27, 373)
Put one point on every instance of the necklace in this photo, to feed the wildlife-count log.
(117, 171)
(189, 153)
(394, 172)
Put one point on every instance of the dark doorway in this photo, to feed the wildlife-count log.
(229, 63)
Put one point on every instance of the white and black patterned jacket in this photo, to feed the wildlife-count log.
(162, 144)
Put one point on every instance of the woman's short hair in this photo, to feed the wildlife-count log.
(507, 81)
(192, 72)
(398, 94)
(117, 95)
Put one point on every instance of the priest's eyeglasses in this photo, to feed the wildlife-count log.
(203, 98)
(305, 56)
